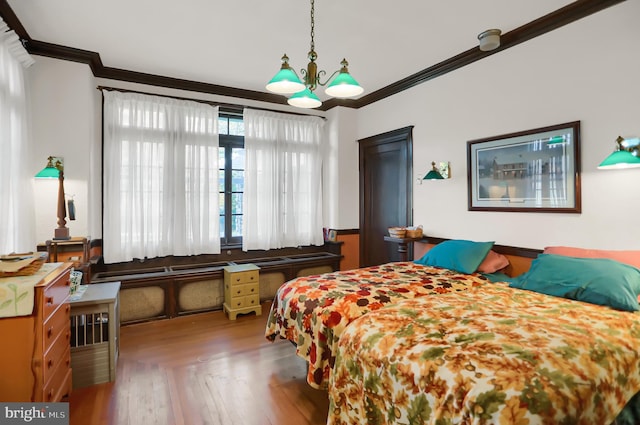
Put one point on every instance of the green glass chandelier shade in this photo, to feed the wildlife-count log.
(620, 159)
(304, 99)
(285, 82)
(344, 85)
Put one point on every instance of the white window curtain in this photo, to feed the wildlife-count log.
(160, 177)
(17, 222)
(283, 180)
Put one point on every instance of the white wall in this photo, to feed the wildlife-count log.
(340, 171)
(63, 124)
(585, 71)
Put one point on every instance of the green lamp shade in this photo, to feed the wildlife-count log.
(620, 159)
(285, 82)
(304, 99)
(433, 175)
(344, 85)
(48, 173)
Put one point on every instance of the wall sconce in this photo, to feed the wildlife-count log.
(441, 171)
(53, 170)
(626, 155)
(489, 39)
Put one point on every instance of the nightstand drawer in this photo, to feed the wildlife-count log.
(243, 290)
(236, 302)
(239, 278)
(252, 300)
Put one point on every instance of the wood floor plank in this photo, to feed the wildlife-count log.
(202, 369)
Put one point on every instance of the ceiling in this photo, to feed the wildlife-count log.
(238, 43)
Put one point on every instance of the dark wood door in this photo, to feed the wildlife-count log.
(385, 192)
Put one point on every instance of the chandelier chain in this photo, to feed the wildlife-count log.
(312, 24)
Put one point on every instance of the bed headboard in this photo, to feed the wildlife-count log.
(519, 258)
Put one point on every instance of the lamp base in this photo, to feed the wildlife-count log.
(61, 233)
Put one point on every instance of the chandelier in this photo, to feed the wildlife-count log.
(287, 82)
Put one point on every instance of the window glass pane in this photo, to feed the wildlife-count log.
(236, 203)
(237, 182)
(221, 158)
(221, 200)
(220, 180)
(236, 225)
(236, 127)
(222, 226)
(223, 125)
(237, 159)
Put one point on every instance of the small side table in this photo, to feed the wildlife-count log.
(241, 290)
(95, 334)
(403, 245)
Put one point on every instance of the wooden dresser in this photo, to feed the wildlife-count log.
(35, 360)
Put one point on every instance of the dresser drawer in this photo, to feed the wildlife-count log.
(60, 379)
(55, 325)
(57, 356)
(249, 276)
(55, 294)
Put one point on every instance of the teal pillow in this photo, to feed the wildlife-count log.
(594, 280)
(460, 255)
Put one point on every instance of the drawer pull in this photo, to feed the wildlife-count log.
(253, 289)
(238, 291)
(50, 395)
(49, 300)
(50, 332)
(50, 364)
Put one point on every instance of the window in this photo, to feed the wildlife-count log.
(231, 162)
(160, 177)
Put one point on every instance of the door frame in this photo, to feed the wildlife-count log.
(404, 134)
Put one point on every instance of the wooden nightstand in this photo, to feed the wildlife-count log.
(241, 290)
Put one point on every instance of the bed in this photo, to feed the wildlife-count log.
(313, 311)
(515, 352)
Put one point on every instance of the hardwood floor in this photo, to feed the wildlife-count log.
(202, 369)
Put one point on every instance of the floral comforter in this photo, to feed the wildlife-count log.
(490, 355)
(313, 311)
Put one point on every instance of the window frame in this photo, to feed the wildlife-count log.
(229, 142)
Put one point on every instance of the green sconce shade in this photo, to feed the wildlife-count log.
(437, 174)
(304, 99)
(50, 171)
(344, 85)
(620, 159)
(285, 81)
(433, 175)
